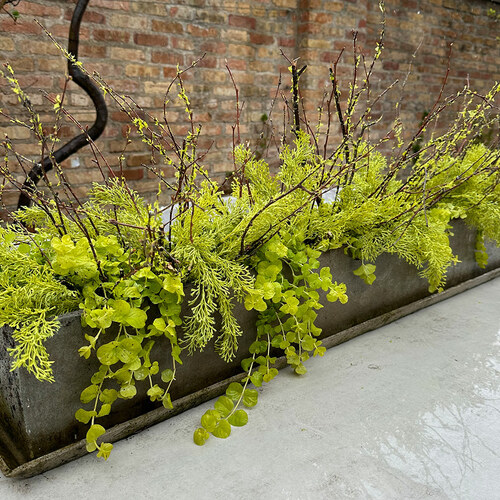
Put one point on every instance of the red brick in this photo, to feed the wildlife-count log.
(136, 160)
(242, 21)
(9, 196)
(328, 57)
(390, 65)
(322, 18)
(310, 4)
(88, 17)
(24, 64)
(213, 47)
(111, 4)
(93, 17)
(119, 145)
(237, 64)
(208, 62)
(201, 32)
(123, 85)
(5, 213)
(309, 28)
(9, 26)
(261, 39)
(167, 58)
(339, 45)
(111, 36)
(191, 28)
(6, 43)
(142, 70)
(150, 40)
(61, 31)
(127, 54)
(212, 16)
(167, 26)
(66, 131)
(169, 72)
(120, 116)
(316, 17)
(92, 50)
(36, 81)
(39, 10)
(286, 42)
(183, 43)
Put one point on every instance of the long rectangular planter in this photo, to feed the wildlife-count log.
(38, 430)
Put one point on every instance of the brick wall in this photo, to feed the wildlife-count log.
(430, 26)
(136, 45)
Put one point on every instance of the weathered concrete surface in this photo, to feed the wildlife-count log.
(408, 411)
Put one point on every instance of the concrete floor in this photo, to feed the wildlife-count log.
(409, 411)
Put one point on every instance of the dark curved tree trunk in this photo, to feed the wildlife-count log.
(81, 79)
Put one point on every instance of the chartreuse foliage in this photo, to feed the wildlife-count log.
(117, 284)
(116, 259)
(286, 325)
(127, 274)
(31, 298)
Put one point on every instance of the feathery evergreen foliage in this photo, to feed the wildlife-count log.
(31, 298)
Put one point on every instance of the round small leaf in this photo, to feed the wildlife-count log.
(106, 354)
(155, 392)
(94, 432)
(134, 365)
(105, 450)
(84, 416)
(105, 410)
(108, 396)
(127, 350)
(250, 398)
(224, 406)
(223, 430)
(159, 324)
(128, 391)
(141, 373)
(200, 436)
(91, 447)
(257, 378)
(270, 375)
(300, 369)
(136, 318)
(167, 375)
(209, 421)
(234, 391)
(98, 377)
(257, 347)
(89, 394)
(239, 418)
(245, 364)
(122, 376)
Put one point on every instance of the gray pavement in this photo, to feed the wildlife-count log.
(408, 411)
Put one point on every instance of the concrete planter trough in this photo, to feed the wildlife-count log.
(38, 430)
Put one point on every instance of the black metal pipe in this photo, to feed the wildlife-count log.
(82, 80)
